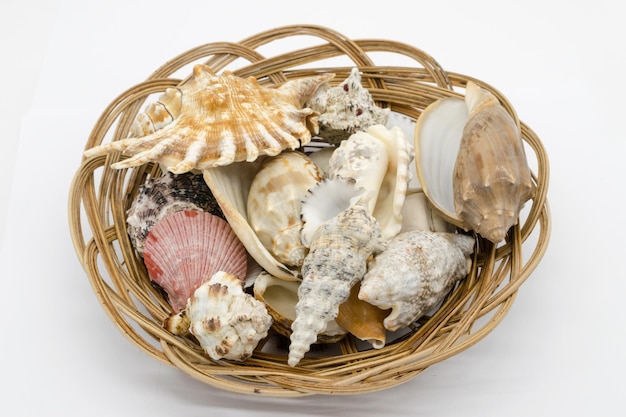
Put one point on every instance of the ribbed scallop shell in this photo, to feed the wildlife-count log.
(275, 204)
(186, 248)
(163, 195)
(414, 273)
(224, 119)
(336, 261)
(228, 322)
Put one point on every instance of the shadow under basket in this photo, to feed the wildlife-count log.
(100, 196)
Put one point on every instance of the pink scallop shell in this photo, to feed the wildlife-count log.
(186, 248)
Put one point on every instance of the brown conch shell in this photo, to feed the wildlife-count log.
(220, 119)
(471, 163)
(187, 247)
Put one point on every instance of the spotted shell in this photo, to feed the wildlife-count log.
(336, 261)
(228, 322)
(220, 119)
(414, 273)
(275, 203)
(345, 109)
(187, 247)
(160, 196)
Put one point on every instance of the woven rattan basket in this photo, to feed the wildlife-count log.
(100, 196)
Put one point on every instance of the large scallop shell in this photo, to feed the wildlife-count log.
(471, 163)
(228, 322)
(280, 298)
(414, 273)
(163, 195)
(223, 119)
(337, 260)
(187, 247)
(275, 204)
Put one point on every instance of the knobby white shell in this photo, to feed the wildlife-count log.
(228, 323)
(414, 273)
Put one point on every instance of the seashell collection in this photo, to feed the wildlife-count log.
(363, 236)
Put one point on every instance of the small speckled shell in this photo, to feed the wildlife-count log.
(275, 204)
(345, 109)
(186, 248)
(336, 261)
(414, 273)
(163, 195)
(224, 119)
(227, 322)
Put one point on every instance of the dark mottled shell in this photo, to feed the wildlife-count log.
(160, 196)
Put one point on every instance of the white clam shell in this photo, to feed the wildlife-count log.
(275, 203)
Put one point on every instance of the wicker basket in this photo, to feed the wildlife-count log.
(100, 196)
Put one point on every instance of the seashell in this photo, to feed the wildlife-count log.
(224, 119)
(321, 157)
(230, 185)
(414, 274)
(471, 163)
(379, 160)
(345, 109)
(362, 319)
(228, 322)
(280, 298)
(336, 261)
(325, 201)
(417, 214)
(275, 203)
(158, 115)
(160, 196)
(187, 247)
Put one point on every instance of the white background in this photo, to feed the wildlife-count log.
(559, 351)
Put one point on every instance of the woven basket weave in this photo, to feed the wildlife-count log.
(100, 196)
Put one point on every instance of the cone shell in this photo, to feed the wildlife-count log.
(471, 163)
(163, 195)
(275, 204)
(228, 323)
(415, 273)
(186, 248)
(280, 298)
(224, 119)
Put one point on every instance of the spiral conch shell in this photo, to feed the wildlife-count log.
(220, 119)
(228, 323)
(414, 273)
(337, 260)
(471, 163)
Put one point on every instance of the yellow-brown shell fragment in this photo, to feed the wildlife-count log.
(223, 119)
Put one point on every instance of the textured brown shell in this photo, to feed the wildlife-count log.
(223, 119)
(491, 178)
